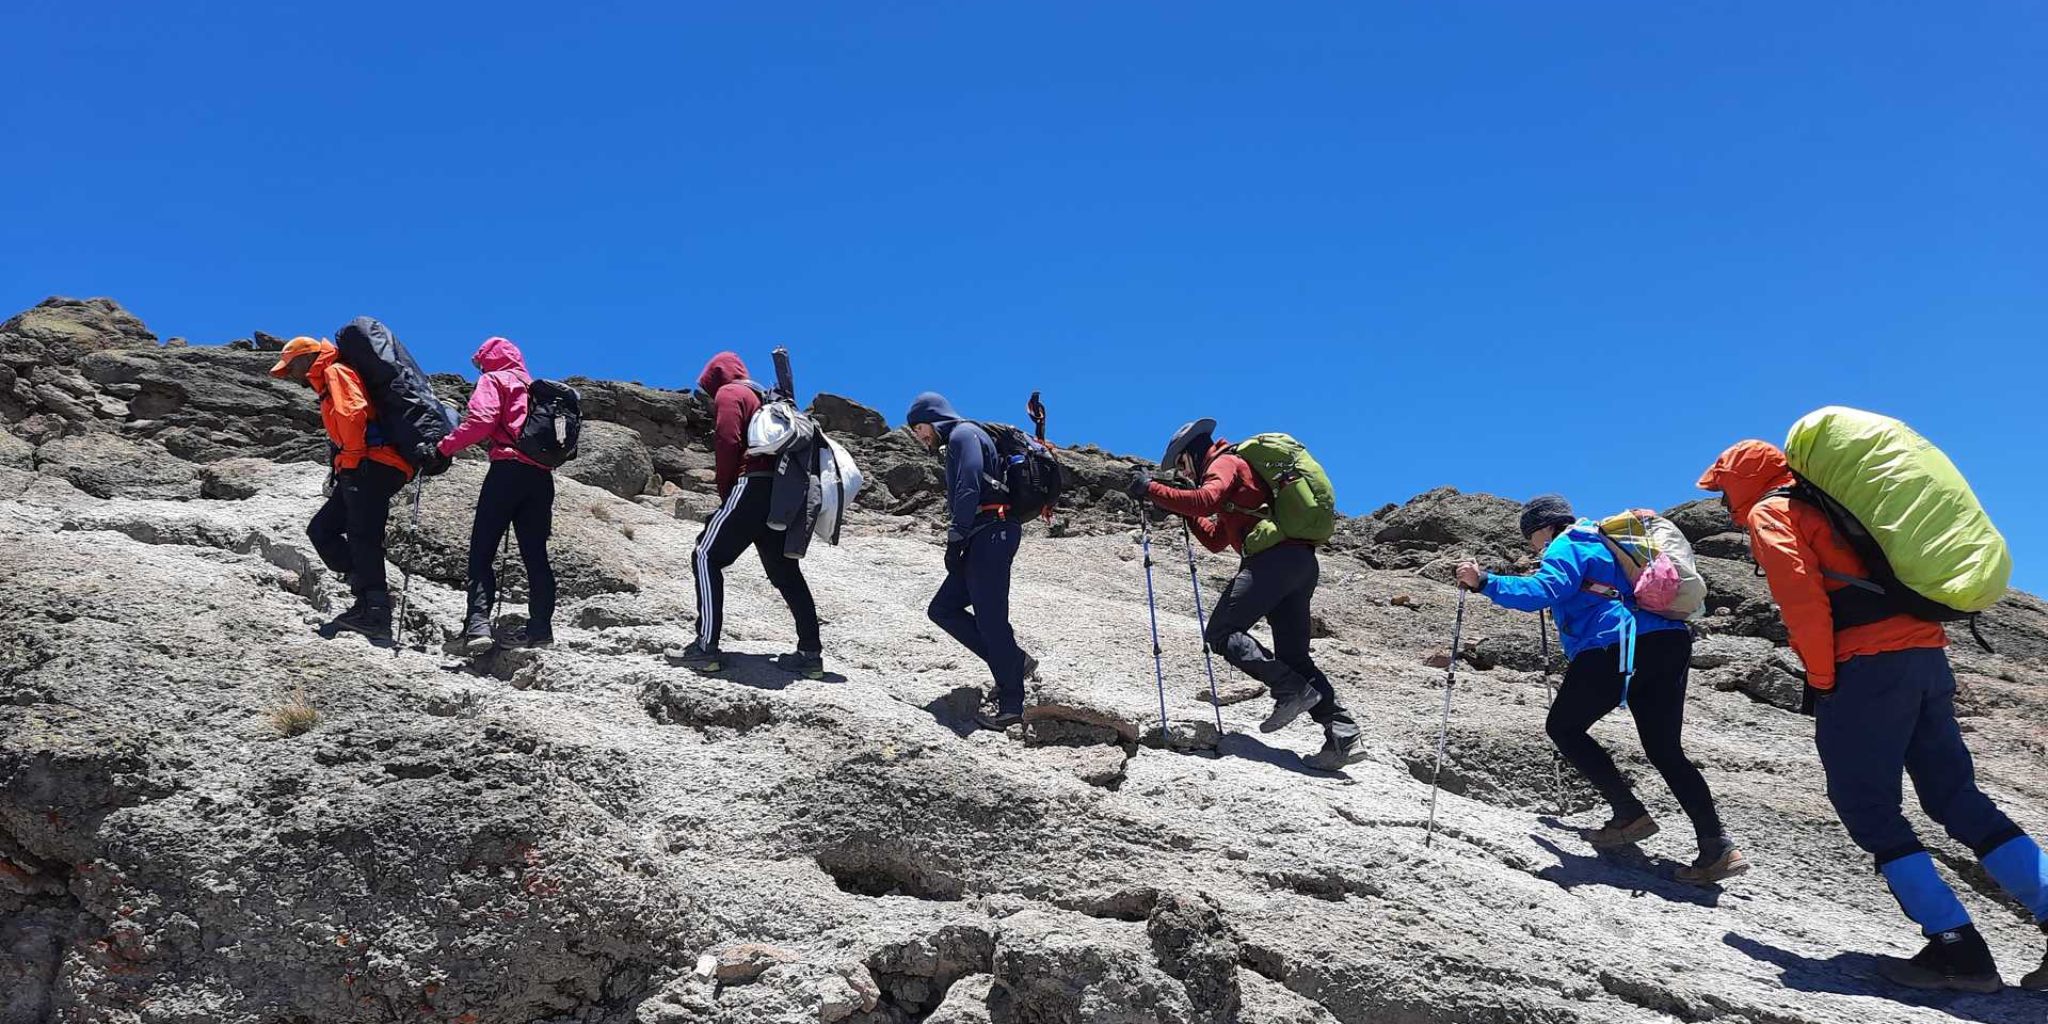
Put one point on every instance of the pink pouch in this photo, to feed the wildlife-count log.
(1657, 587)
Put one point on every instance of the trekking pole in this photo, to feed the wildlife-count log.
(1443, 732)
(1187, 540)
(1152, 603)
(498, 592)
(1556, 755)
(405, 590)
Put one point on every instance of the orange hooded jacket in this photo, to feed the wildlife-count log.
(345, 411)
(1792, 542)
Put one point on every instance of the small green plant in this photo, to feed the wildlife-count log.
(296, 716)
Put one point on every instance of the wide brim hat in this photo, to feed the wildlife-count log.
(1183, 438)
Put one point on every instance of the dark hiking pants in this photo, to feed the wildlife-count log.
(740, 523)
(1656, 699)
(348, 531)
(978, 577)
(1279, 586)
(522, 498)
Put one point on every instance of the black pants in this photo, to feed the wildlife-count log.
(978, 576)
(1278, 585)
(348, 531)
(520, 497)
(1592, 688)
(743, 521)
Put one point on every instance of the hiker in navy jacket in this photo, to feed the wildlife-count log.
(981, 545)
(1618, 655)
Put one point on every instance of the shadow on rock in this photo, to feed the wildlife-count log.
(760, 672)
(1251, 748)
(1626, 868)
(958, 710)
(1855, 974)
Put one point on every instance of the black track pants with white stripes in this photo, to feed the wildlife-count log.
(740, 522)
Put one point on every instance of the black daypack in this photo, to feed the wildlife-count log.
(554, 423)
(1031, 473)
(408, 415)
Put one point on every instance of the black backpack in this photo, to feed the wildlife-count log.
(1033, 476)
(408, 415)
(554, 422)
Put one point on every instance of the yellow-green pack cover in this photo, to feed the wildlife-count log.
(1304, 504)
(1911, 498)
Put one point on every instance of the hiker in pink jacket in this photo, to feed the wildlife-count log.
(518, 493)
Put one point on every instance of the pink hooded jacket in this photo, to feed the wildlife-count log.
(497, 408)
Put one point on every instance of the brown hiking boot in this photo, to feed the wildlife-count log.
(1619, 832)
(1956, 961)
(1705, 872)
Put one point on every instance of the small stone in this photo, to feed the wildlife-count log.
(737, 965)
(1403, 601)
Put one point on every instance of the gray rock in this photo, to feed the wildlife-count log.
(15, 452)
(1701, 519)
(59, 330)
(107, 465)
(613, 458)
(846, 416)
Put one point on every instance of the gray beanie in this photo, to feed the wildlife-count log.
(1546, 510)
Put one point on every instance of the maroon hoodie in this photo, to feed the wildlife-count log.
(733, 406)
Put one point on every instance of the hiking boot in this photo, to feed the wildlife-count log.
(997, 721)
(524, 636)
(696, 658)
(371, 617)
(1708, 868)
(808, 664)
(1030, 668)
(1955, 960)
(1620, 831)
(2038, 979)
(1288, 709)
(1336, 754)
(477, 637)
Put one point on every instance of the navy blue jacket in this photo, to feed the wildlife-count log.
(970, 456)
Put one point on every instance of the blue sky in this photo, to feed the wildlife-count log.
(1509, 247)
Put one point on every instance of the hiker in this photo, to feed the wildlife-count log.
(1602, 629)
(745, 485)
(1275, 583)
(981, 545)
(518, 493)
(348, 531)
(1883, 699)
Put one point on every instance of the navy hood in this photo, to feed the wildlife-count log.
(930, 407)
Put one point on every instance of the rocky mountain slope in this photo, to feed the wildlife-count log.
(210, 814)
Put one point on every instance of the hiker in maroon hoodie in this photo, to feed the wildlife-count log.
(518, 493)
(1277, 584)
(745, 485)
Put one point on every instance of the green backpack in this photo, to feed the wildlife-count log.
(1304, 504)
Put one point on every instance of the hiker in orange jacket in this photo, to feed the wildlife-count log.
(348, 531)
(1883, 698)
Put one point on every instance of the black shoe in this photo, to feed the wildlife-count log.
(1956, 960)
(1030, 668)
(1336, 754)
(476, 636)
(696, 658)
(999, 720)
(2037, 980)
(808, 664)
(1288, 709)
(524, 636)
(370, 617)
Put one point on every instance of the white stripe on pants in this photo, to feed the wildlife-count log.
(707, 605)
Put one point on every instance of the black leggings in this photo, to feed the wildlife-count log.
(1592, 688)
(522, 497)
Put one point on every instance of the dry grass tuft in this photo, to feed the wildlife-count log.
(601, 513)
(295, 716)
(627, 529)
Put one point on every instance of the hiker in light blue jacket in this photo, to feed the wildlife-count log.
(1620, 656)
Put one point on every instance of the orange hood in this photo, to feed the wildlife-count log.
(1745, 473)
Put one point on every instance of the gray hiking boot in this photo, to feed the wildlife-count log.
(477, 637)
(1956, 961)
(1336, 754)
(1710, 867)
(998, 720)
(808, 664)
(1288, 709)
(1623, 831)
(696, 658)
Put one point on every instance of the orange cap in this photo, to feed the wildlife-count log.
(293, 349)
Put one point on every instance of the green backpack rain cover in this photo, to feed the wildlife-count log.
(1304, 505)
(1911, 499)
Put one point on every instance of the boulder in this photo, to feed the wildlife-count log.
(660, 417)
(845, 416)
(1053, 968)
(1700, 519)
(16, 453)
(59, 330)
(107, 465)
(1442, 521)
(614, 458)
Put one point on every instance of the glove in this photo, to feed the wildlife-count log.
(956, 551)
(333, 479)
(1810, 700)
(1140, 483)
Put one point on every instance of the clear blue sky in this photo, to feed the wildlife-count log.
(1507, 246)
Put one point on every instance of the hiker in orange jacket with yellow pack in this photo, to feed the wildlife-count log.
(1883, 697)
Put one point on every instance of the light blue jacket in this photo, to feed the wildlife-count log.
(1587, 620)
